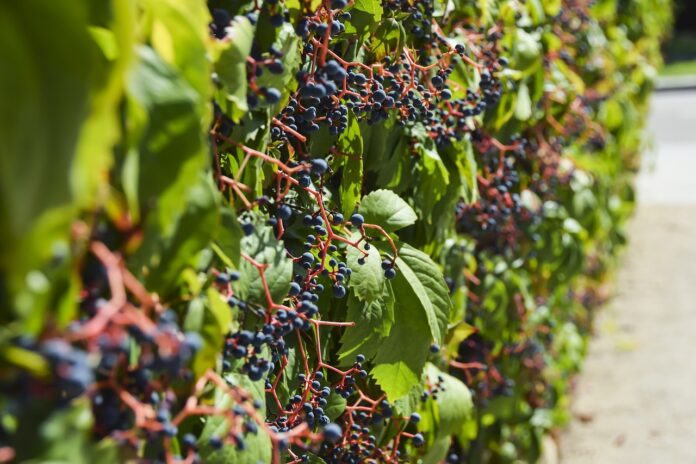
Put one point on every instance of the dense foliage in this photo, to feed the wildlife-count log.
(308, 231)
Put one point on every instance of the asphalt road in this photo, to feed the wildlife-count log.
(635, 401)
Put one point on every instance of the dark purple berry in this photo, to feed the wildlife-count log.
(332, 433)
(357, 220)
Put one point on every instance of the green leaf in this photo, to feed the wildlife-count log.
(211, 318)
(526, 52)
(611, 114)
(373, 322)
(406, 405)
(454, 403)
(44, 104)
(288, 43)
(179, 35)
(461, 332)
(367, 279)
(552, 7)
(258, 448)
(66, 433)
(444, 416)
(230, 65)
(30, 361)
(228, 237)
(380, 143)
(335, 406)
(536, 11)
(61, 435)
(387, 209)
(89, 177)
(351, 184)
(37, 287)
(289, 381)
(402, 355)
(434, 178)
(372, 7)
(295, 7)
(264, 248)
(523, 108)
(466, 164)
(427, 285)
(167, 148)
(350, 145)
(485, 10)
(266, 34)
(387, 39)
(422, 299)
(365, 15)
(56, 67)
(350, 141)
(437, 451)
(192, 233)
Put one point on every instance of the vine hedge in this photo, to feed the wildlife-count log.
(309, 230)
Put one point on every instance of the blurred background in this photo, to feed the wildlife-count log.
(680, 51)
(635, 401)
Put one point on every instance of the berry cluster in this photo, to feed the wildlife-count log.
(415, 85)
(495, 218)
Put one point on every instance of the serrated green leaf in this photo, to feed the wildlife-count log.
(365, 15)
(367, 279)
(258, 449)
(373, 322)
(406, 405)
(387, 209)
(427, 285)
(372, 7)
(264, 248)
(402, 355)
(230, 65)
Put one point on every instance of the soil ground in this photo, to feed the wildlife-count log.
(635, 401)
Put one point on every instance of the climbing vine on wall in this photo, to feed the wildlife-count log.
(309, 231)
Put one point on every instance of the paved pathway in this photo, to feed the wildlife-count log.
(636, 398)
